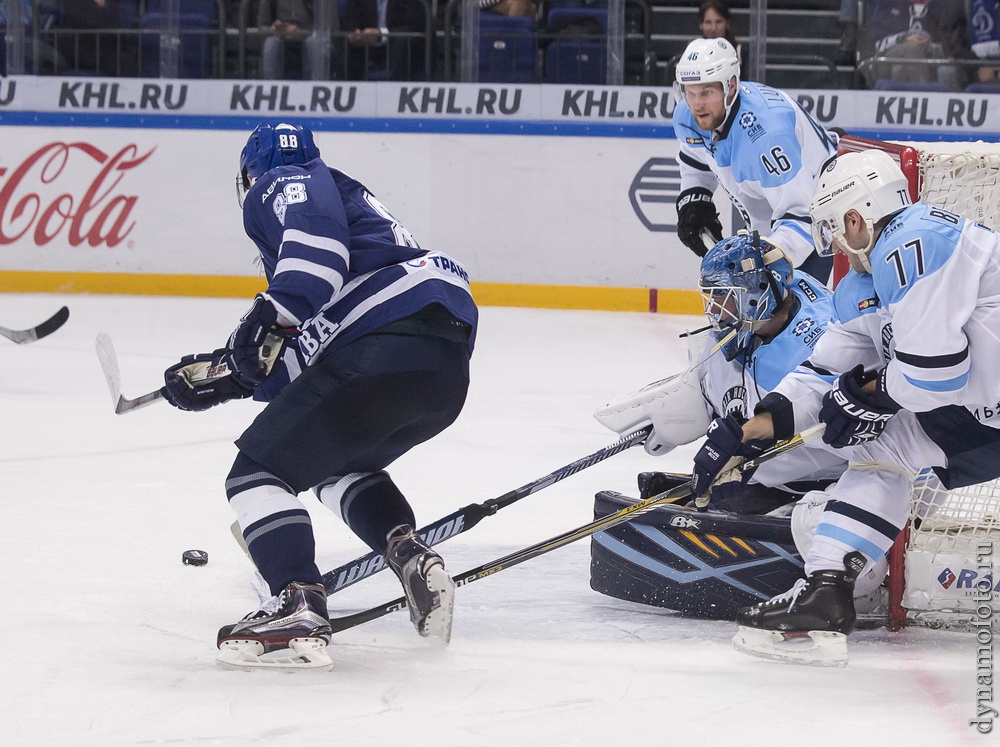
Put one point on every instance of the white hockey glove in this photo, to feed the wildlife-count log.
(674, 406)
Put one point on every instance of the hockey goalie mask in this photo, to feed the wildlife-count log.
(744, 279)
(708, 61)
(270, 147)
(869, 182)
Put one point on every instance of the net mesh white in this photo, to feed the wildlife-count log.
(953, 552)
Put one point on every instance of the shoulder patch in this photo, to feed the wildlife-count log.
(694, 140)
(807, 291)
(867, 303)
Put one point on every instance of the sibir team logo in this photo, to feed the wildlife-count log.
(748, 120)
(947, 578)
(802, 327)
(734, 401)
(653, 194)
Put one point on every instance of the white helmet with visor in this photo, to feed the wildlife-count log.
(870, 182)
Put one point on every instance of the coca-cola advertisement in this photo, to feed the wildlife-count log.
(121, 200)
(37, 204)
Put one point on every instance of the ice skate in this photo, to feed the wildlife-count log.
(292, 635)
(808, 624)
(430, 591)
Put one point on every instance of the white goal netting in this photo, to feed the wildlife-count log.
(952, 557)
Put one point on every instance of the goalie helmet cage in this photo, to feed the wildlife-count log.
(943, 565)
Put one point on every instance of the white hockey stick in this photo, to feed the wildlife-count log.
(203, 374)
(50, 325)
(109, 363)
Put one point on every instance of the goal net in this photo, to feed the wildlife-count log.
(944, 568)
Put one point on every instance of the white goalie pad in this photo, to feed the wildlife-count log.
(675, 407)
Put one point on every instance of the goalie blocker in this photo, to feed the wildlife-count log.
(702, 564)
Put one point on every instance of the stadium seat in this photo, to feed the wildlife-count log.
(506, 49)
(195, 51)
(983, 88)
(578, 50)
(884, 84)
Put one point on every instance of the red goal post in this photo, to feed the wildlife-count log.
(936, 564)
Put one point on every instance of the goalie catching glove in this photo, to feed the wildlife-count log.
(714, 474)
(696, 214)
(852, 415)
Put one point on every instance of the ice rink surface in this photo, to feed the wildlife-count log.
(111, 640)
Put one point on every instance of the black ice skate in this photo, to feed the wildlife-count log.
(430, 591)
(809, 623)
(292, 636)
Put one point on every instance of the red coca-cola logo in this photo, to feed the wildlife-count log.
(32, 203)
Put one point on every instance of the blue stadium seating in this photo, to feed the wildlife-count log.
(506, 49)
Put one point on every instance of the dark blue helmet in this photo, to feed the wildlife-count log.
(270, 147)
(744, 280)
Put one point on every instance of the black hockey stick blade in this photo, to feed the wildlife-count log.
(50, 325)
(465, 518)
(598, 525)
(109, 364)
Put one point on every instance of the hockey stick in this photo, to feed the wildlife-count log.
(109, 363)
(50, 325)
(269, 353)
(607, 522)
(465, 518)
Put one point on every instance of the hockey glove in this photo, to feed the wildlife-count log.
(696, 213)
(202, 381)
(246, 358)
(722, 451)
(852, 415)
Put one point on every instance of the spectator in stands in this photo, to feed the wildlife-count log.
(92, 38)
(287, 25)
(913, 31)
(849, 33)
(715, 22)
(984, 38)
(526, 8)
(383, 43)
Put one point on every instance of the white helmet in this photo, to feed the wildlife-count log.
(708, 61)
(871, 183)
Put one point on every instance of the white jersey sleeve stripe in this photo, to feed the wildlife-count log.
(317, 242)
(330, 275)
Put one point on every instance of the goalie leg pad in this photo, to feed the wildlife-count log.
(705, 565)
(820, 648)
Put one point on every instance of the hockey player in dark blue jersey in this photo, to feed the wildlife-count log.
(756, 142)
(360, 345)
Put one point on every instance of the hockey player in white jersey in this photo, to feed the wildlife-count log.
(378, 335)
(754, 141)
(904, 379)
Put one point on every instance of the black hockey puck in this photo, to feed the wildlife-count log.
(194, 557)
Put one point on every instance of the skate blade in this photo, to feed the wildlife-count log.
(302, 653)
(819, 648)
(437, 624)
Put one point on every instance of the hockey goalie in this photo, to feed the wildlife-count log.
(746, 544)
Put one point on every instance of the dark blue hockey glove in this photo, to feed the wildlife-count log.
(202, 381)
(852, 415)
(245, 358)
(725, 442)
